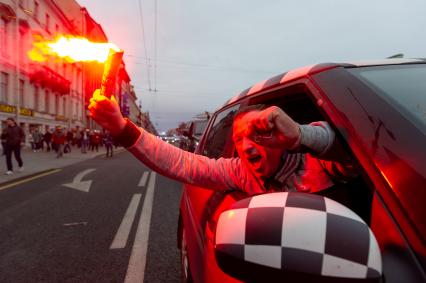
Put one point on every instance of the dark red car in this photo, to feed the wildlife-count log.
(378, 111)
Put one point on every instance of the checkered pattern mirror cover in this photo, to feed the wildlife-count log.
(298, 232)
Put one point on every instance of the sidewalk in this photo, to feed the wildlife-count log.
(35, 162)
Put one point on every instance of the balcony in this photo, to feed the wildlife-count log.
(47, 78)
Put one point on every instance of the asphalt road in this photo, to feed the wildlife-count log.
(53, 233)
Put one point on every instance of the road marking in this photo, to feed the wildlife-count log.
(77, 184)
(136, 269)
(123, 231)
(75, 223)
(29, 179)
(142, 182)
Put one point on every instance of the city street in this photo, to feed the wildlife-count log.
(98, 220)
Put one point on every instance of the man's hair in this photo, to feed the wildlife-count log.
(246, 109)
(10, 119)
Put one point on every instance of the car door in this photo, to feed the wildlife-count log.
(388, 146)
(200, 203)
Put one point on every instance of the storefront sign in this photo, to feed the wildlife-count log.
(61, 118)
(12, 109)
(43, 115)
(26, 112)
(7, 108)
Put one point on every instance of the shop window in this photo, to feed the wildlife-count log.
(64, 106)
(4, 86)
(36, 98)
(3, 36)
(47, 101)
(57, 104)
(22, 93)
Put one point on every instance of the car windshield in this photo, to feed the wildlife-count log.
(404, 86)
(199, 127)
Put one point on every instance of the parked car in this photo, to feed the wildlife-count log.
(378, 111)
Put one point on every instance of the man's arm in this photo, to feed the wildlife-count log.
(168, 160)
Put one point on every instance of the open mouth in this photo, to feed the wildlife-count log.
(254, 159)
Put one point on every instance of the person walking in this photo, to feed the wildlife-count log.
(31, 141)
(78, 137)
(70, 139)
(59, 139)
(15, 137)
(38, 139)
(48, 139)
(84, 140)
(95, 140)
(107, 140)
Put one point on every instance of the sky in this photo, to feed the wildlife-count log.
(190, 56)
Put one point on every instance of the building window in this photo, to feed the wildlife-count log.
(36, 98)
(64, 106)
(3, 36)
(4, 86)
(57, 104)
(36, 10)
(46, 102)
(47, 26)
(22, 93)
(21, 47)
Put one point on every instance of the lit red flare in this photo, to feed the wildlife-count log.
(72, 49)
(80, 49)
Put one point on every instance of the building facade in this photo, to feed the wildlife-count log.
(37, 95)
(54, 92)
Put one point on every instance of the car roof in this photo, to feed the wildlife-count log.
(313, 69)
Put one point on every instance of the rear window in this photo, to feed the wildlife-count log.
(403, 86)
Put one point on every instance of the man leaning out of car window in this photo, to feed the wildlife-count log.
(274, 152)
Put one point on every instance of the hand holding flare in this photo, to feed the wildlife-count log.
(106, 112)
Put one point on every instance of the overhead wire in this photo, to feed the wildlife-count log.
(185, 64)
(155, 43)
(144, 44)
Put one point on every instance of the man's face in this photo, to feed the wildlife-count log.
(10, 123)
(262, 161)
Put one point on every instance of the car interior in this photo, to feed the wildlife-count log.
(295, 101)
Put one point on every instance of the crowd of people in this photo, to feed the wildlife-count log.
(59, 140)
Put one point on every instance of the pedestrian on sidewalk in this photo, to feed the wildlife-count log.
(38, 139)
(70, 138)
(31, 141)
(84, 141)
(3, 141)
(107, 140)
(15, 138)
(67, 145)
(95, 140)
(48, 139)
(59, 139)
(78, 134)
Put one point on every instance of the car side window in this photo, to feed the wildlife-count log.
(220, 133)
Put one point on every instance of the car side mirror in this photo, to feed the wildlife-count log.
(296, 237)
